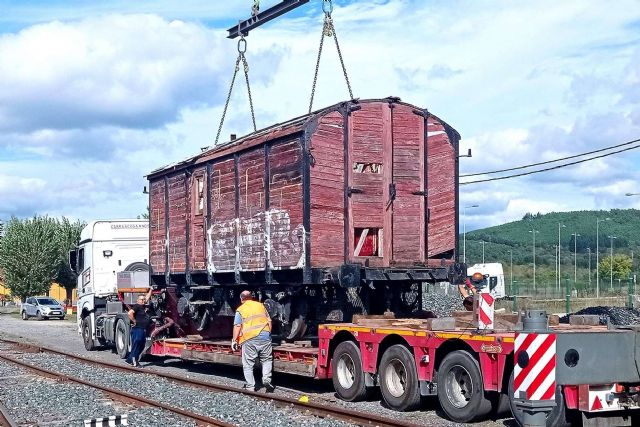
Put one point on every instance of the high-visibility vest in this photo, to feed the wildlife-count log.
(255, 319)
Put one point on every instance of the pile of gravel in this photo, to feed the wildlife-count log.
(442, 301)
(230, 407)
(617, 315)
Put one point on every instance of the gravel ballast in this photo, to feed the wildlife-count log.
(34, 400)
(230, 407)
(442, 300)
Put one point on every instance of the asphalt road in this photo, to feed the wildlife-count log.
(63, 335)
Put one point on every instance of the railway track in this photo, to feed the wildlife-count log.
(311, 408)
(5, 418)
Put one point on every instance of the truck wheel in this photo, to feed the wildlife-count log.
(399, 379)
(559, 416)
(137, 266)
(89, 344)
(123, 340)
(346, 372)
(24, 315)
(460, 388)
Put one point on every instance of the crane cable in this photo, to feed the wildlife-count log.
(242, 48)
(328, 30)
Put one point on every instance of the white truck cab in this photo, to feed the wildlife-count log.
(494, 278)
(106, 248)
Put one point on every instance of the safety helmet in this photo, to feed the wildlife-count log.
(477, 277)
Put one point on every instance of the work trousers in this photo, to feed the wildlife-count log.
(138, 340)
(251, 350)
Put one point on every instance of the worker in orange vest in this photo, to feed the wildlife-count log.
(252, 331)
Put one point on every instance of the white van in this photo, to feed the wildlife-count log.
(494, 278)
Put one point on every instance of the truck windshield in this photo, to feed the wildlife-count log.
(47, 301)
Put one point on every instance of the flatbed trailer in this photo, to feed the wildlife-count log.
(589, 372)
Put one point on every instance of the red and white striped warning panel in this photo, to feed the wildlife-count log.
(485, 311)
(534, 373)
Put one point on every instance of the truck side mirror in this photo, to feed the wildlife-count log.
(73, 260)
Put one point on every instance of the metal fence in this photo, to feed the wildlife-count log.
(571, 297)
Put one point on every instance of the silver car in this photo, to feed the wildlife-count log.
(41, 308)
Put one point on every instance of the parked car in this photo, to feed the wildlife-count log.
(41, 308)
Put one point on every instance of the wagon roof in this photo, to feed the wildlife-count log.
(272, 132)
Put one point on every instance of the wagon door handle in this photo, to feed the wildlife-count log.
(392, 194)
(419, 193)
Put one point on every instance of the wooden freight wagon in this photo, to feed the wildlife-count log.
(357, 193)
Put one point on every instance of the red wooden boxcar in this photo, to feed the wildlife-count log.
(357, 193)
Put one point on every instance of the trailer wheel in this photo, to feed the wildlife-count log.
(138, 266)
(123, 341)
(399, 379)
(346, 372)
(89, 344)
(559, 416)
(460, 388)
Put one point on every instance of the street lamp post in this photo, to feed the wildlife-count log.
(589, 250)
(559, 259)
(556, 248)
(611, 259)
(464, 231)
(575, 258)
(533, 232)
(511, 268)
(598, 221)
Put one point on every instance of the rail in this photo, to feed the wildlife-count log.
(317, 409)
(5, 418)
(121, 395)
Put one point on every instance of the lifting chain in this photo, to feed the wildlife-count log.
(242, 48)
(328, 30)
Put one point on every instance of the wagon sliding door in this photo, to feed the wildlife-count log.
(386, 198)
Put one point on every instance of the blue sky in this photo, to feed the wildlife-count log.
(94, 95)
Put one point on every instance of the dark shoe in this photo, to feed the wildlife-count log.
(128, 362)
(269, 387)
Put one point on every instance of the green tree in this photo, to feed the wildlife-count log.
(29, 255)
(68, 236)
(145, 215)
(621, 266)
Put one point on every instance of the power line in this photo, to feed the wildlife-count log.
(550, 168)
(551, 161)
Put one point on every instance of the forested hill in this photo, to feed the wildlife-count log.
(517, 237)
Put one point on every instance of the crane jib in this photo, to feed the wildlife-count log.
(260, 18)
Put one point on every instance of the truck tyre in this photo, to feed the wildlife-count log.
(138, 266)
(123, 339)
(24, 315)
(89, 344)
(559, 416)
(346, 372)
(460, 388)
(399, 379)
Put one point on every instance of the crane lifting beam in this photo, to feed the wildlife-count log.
(273, 12)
